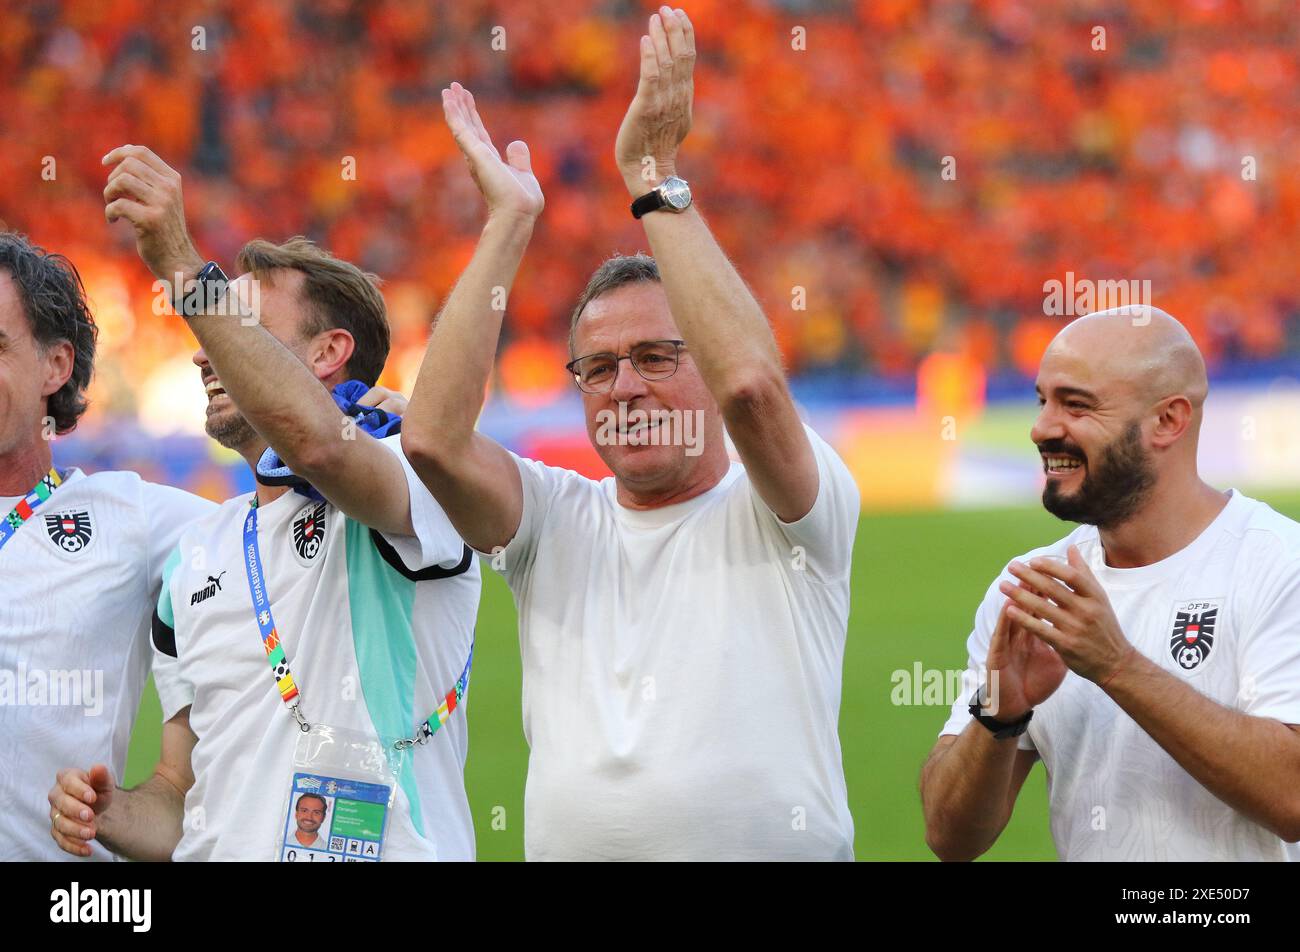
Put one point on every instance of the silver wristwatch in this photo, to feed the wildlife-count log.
(672, 194)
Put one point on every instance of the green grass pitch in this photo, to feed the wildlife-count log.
(917, 579)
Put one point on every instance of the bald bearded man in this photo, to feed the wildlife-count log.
(1151, 658)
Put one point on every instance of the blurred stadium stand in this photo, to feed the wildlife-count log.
(818, 168)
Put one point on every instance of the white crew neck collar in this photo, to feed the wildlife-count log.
(1141, 575)
(665, 515)
(70, 474)
(274, 507)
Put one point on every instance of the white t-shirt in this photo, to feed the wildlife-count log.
(376, 631)
(1223, 614)
(682, 669)
(78, 583)
(317, 842)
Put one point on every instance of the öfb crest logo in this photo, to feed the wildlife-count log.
(309, 531)
(70, 531)
(1193, 634)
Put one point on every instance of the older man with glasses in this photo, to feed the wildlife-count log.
(682, 624)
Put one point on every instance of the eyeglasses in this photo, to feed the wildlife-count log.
(652, 359)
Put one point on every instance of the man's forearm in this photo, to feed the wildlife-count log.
(274, 390)
(1250, 763)
(966, 793)
(733, 347)
(728, 334)
(145, 822)
(279, 396)
(458, 362)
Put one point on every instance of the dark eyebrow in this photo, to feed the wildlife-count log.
(1064, 393)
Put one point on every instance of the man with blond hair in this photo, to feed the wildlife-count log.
(319, 625)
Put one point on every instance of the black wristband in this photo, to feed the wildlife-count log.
(209, 288)
(1002, 730)
(651, 201)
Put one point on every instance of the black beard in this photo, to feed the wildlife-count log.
(232, 432)
(1114, 488)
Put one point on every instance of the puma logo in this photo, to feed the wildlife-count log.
(207, 591)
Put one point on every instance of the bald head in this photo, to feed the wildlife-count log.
(1138, 350)
(1121, 393)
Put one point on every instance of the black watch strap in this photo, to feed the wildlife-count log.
(208, 288)
(1001, 729)
(651, 201)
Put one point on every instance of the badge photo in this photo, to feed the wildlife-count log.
(1191, 639)
(71, 530)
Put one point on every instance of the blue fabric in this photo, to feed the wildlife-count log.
(272, 471)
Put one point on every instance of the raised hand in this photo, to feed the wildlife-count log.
(660, 114)
(77, 799)
(509, 186)
(1064, 605)
(1027, 670)
(146, 191)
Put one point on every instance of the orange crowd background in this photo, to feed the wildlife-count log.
(821, 140)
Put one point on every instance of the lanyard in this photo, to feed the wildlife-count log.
(275, 656)
(449, 703)
(22, 511)
(284, 682)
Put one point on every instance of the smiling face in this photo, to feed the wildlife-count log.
(27, 376)
(309, 814)
(47, 354)
(1091, 441)
(646, 463)
(1118, 392)
(283, 313)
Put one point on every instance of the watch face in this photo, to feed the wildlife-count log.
(676, 192)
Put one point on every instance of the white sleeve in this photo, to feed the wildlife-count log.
(167, 511)
(827, 530)
(435, 541)
(174, 691)
(1269, 661)
(542, 484)
(977, 650)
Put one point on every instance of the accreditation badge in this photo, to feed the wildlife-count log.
(340, 798)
